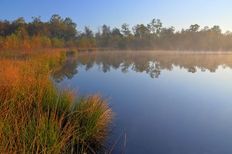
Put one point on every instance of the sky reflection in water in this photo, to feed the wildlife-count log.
(164, 102)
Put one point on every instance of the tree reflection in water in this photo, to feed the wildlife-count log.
(151, 62)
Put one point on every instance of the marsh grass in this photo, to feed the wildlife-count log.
(37, 118)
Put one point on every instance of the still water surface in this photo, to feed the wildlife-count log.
(164, 103)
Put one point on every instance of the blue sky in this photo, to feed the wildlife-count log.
(94, 13)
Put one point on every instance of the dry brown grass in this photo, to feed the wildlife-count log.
(36, 118)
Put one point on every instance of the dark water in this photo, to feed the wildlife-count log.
(165, 103)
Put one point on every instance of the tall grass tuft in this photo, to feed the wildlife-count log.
(37, 118)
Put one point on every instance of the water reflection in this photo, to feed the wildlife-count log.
(153, 63)
(186, 109)
(67, 70)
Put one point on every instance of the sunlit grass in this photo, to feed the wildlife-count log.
(37, 118)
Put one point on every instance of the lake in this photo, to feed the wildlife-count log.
(164, 102)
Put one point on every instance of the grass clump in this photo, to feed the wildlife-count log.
(37, 118)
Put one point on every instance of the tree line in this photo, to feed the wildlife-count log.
(61, 32)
